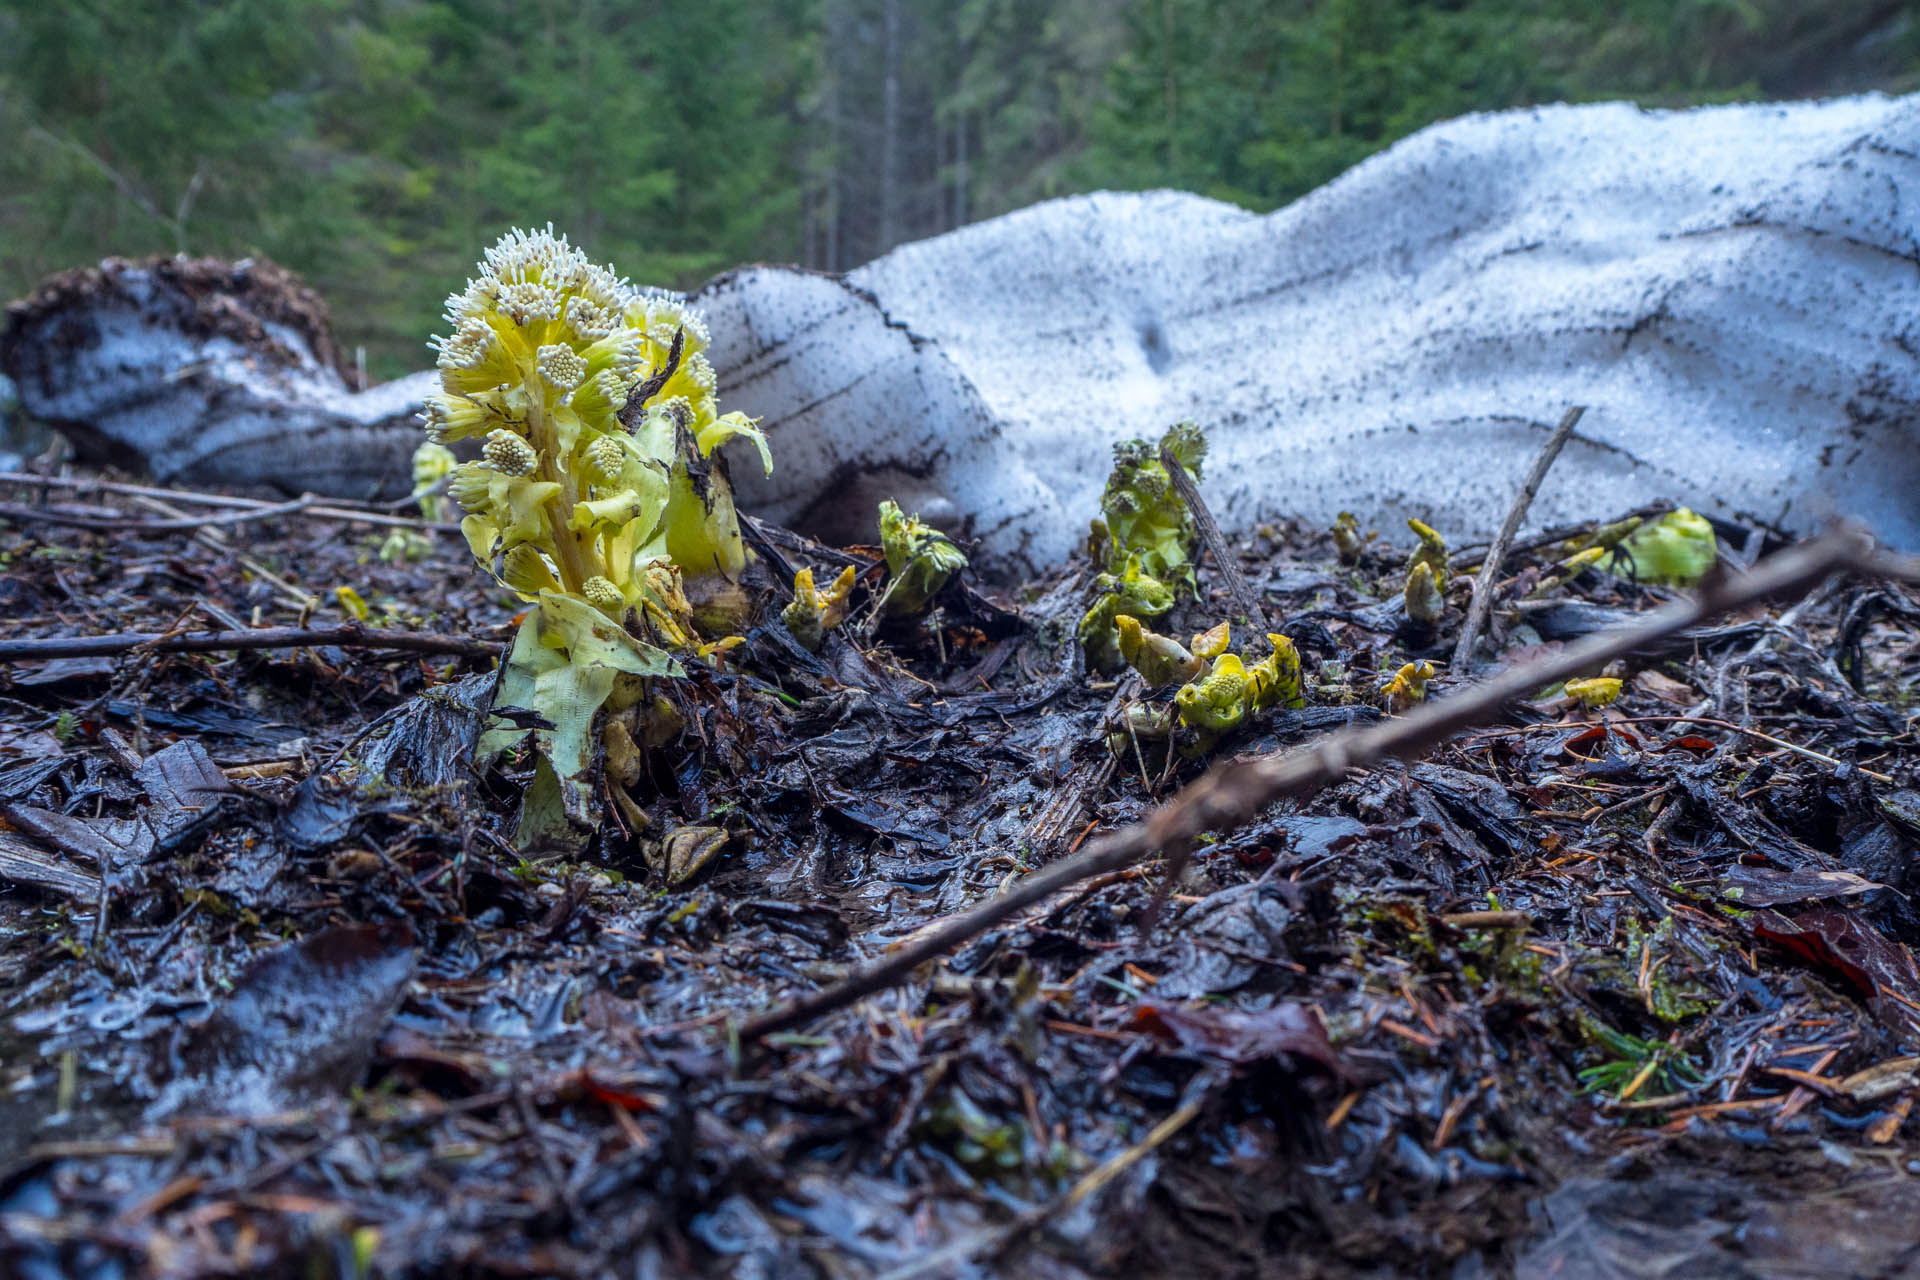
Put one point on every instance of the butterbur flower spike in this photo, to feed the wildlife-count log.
(1143, 516)
(601, 529)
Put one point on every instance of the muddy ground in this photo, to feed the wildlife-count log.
(1584, 993)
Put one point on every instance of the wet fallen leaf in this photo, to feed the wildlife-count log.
(1285, 1031)
(1765, 887)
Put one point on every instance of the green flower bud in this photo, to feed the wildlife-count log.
(602, 594)
(1143, 515)
(469, 485)
(562, 369)
(814, 611)
(1217, 703)
(920, 557)
(450, 418)
(606, 459)
(1424, 602)
(1130, 592)
(508, 454)
(528, 304)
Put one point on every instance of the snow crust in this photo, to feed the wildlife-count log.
(1730, 291)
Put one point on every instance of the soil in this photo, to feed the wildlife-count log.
(1620, 991)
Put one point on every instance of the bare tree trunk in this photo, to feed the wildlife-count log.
(1170, 87)
(890, 134)
(960, 168)
(830, 255)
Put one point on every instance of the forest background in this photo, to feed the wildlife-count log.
(376, 145)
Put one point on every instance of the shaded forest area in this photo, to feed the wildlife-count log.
(370, 144)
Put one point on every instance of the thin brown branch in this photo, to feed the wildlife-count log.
(346, 637)
(110, 524)
(1233, 792)
(1223, 557)
(1482, 603)
(332, 509)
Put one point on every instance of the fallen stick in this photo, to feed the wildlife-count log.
(1209, 530)
(116, 524)
(1482, 603)
(1231, 793)
(332, 509)
(347, 637)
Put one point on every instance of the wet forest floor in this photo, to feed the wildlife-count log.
(1582, 993)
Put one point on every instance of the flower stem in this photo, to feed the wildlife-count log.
(568, 556)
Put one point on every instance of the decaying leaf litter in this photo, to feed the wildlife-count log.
(330, 1019)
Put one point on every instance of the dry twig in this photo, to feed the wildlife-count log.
(1482, 603)
(332, 509)
(1223, 557)
(346, 637)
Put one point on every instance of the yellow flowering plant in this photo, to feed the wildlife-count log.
(596, 497)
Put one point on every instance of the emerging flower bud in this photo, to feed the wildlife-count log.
(508, 454)
(450, 418)
(1217, 703)
(1160, 660)
(602, 594)
(1409, 685)
(606, 459)
(528, 304)
(562, 369)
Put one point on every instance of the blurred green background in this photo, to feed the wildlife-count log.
(377, 145)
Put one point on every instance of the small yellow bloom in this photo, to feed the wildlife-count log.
(1595, 691)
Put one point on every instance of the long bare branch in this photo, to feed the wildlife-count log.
(348, 637)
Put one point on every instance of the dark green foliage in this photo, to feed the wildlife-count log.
(372, 144)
